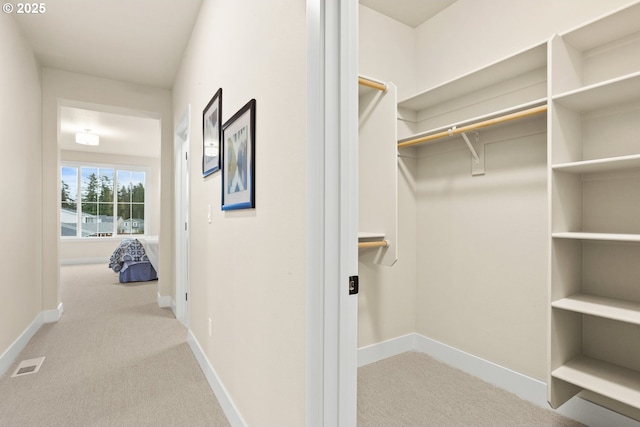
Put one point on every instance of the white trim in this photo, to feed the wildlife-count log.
(52, 316)
(12, 353)
(181, 152)
(331, 166)
(525, 387)
(164, 301)
(383, 350)
(224, 398)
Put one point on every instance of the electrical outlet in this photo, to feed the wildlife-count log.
(209, 326)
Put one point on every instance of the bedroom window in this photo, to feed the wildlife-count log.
(101, 201)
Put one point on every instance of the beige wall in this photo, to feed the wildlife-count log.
(98, 250)
(247, 269)
(62, 85)
(21, 186)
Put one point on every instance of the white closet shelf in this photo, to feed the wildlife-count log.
(363, 235)
(606, 379)
(616, 91)
(492, 115)
(617, 25)
(505, 69)
(597, 236)
(600, 165)
(609, 308)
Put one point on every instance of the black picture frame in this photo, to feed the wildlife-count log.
(212, 134)
(238, 159)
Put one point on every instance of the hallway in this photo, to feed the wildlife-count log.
(113, 359)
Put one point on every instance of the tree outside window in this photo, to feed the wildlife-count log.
(111, 201)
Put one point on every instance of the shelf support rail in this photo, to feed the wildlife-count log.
(366, 81)
(474, 126)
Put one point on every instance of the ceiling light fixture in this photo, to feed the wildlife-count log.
(87, 138)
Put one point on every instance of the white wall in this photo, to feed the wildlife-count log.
(87, 250)
(386, 304)
(21, 186)
(387, 50)
(247, 267)
(64, 86)
(471, 34)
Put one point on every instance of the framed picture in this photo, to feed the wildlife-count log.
(238, 154)
(211, 132)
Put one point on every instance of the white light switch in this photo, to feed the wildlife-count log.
(209, 213)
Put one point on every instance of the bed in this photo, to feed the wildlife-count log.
(136, 260)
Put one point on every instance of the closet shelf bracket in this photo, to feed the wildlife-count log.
(477, 161)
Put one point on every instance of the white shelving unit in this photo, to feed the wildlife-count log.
(514, 88)
(513, 84)
(594, 172)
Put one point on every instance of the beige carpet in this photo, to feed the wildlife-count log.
(114, 359)
(421, 391)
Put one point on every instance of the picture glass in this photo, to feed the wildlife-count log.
(211, 135)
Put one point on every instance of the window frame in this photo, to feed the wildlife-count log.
(115, 167)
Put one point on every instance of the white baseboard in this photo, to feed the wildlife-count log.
(9, 356)
(521, 385)
(52, 316)
(226, 402)
(380, 351)
(164, 301)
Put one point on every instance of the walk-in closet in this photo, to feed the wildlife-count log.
(499, 197)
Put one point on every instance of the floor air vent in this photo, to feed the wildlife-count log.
(27, 367)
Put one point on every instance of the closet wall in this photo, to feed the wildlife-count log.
(386, 304)
(481, 242)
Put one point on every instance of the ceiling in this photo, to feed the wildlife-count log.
(142, 42)
(409, 12)
(120, 132)
(137, 41)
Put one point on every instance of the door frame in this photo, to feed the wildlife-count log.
(332, 213)
(181, 209)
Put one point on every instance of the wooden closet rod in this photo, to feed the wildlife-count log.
(372, 84)
(380, 244)
(474, 126)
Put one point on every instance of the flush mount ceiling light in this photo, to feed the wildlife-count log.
(87, 138)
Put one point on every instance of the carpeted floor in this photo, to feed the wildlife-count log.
(113, 359)
(421, 391)
(116, 359)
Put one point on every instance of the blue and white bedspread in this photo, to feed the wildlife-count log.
(128, 251)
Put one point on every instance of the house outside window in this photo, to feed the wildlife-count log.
(97, 201)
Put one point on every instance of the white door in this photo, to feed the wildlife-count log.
(181, 162)
(332, 213)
